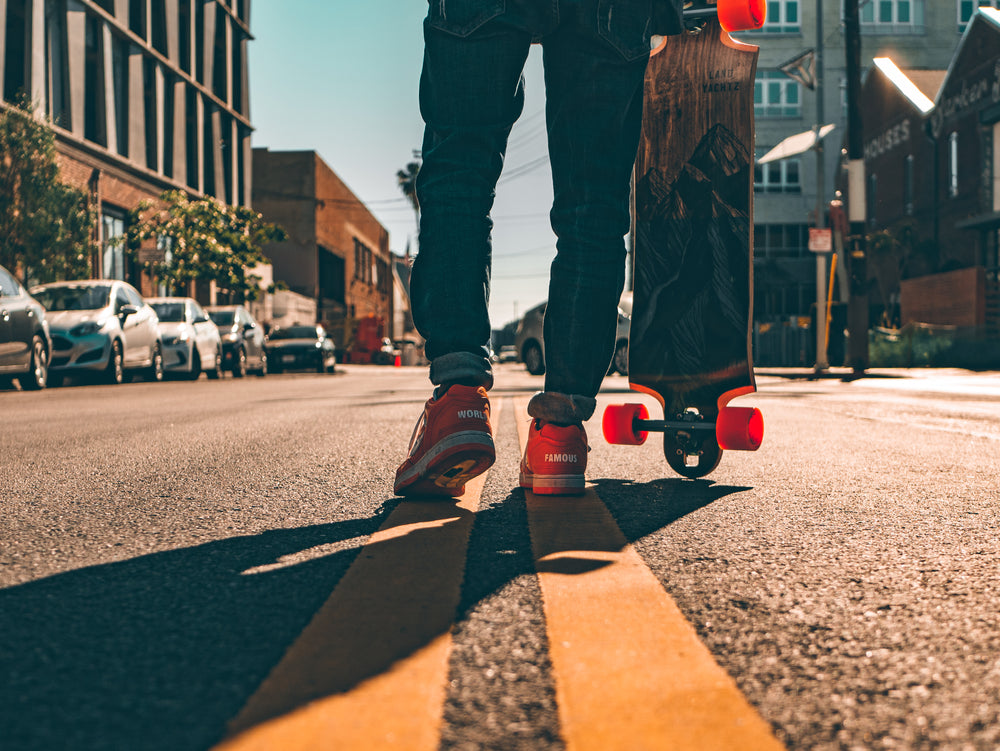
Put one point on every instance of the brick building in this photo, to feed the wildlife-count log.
(915, 33)
(933, 182)
(337, 252)
(144, 96)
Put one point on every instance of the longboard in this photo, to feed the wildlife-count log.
(690, 335)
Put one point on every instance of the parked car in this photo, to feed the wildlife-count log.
(102, 327)
(301, 347)
(531, 346)
(25, 344)
(191, 342)
(243, 340)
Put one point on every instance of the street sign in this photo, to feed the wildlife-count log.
(820, 240)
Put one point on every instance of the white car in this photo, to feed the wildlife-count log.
(529, 341)
(191, 342)
(100, 327)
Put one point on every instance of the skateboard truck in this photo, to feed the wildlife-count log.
(692, 442)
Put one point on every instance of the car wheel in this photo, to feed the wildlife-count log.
(155, 371)
(240, 363)
(115, 372)
(36, 378)
(533, 359)
(195, 365)
(216, 373)
(620, 362)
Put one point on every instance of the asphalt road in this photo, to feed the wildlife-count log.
(164, 546)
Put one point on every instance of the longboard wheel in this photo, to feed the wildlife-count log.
(740, 428)
(740, 15)
(619, 424)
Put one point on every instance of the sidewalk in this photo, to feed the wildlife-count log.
(939, 380)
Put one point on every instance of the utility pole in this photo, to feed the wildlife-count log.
(821, 359)
(857, 307)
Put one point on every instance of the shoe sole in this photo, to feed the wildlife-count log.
(554, 484)
(448, 465)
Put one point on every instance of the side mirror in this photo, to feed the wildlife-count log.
(249, 326)
(202, 319)
(127, 310)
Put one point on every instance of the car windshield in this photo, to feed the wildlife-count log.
(295, 332)
(74, 297)
(169, 312)
(222, 317)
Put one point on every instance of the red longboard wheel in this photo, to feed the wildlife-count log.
(740, 428)
(740, 15)
(619, 424)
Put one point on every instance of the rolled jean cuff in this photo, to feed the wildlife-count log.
(462, 367)
(564, 409)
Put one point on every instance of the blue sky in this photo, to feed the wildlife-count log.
(340, 77)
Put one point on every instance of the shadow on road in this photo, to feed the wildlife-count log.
(161, 651)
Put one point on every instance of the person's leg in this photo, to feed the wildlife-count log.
(594, 71)
(470, 96)
(471, 93)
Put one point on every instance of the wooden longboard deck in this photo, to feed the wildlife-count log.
(692, 309)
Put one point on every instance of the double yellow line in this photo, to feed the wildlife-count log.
(370, 671)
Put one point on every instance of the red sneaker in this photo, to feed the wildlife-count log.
(555, 459)
(451, 444)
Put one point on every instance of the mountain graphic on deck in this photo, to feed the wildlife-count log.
(693, 262)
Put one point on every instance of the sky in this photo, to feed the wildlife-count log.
(340, 77)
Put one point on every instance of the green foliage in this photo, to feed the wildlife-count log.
(407, 181)
(46, 227)
(202, 240)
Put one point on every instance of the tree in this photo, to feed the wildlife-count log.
(201, 239)
(407, 180)
(46, 226)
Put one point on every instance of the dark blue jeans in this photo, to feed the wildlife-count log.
(471, 93)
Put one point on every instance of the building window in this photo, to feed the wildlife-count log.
(112, 251)
(220, 80)
(137, 18)
(184, 34)
(892, 17)
(150, 113)
(967, 9)
(199, 42)
(57, 65)
(119, 76)
(158, 27)
(776, 95)
(781, 240)
(169, 106)
(778, 177)
(363, 260)
(94, 112)
(191, 144)
(953, 165)
(782, 18)
(331, 276)
(908, 186)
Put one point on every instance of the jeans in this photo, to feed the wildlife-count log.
(471, 93)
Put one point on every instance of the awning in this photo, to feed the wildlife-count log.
(981, 221)
(797, 144)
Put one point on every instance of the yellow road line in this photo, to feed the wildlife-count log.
(630, 671)
(370, 670)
